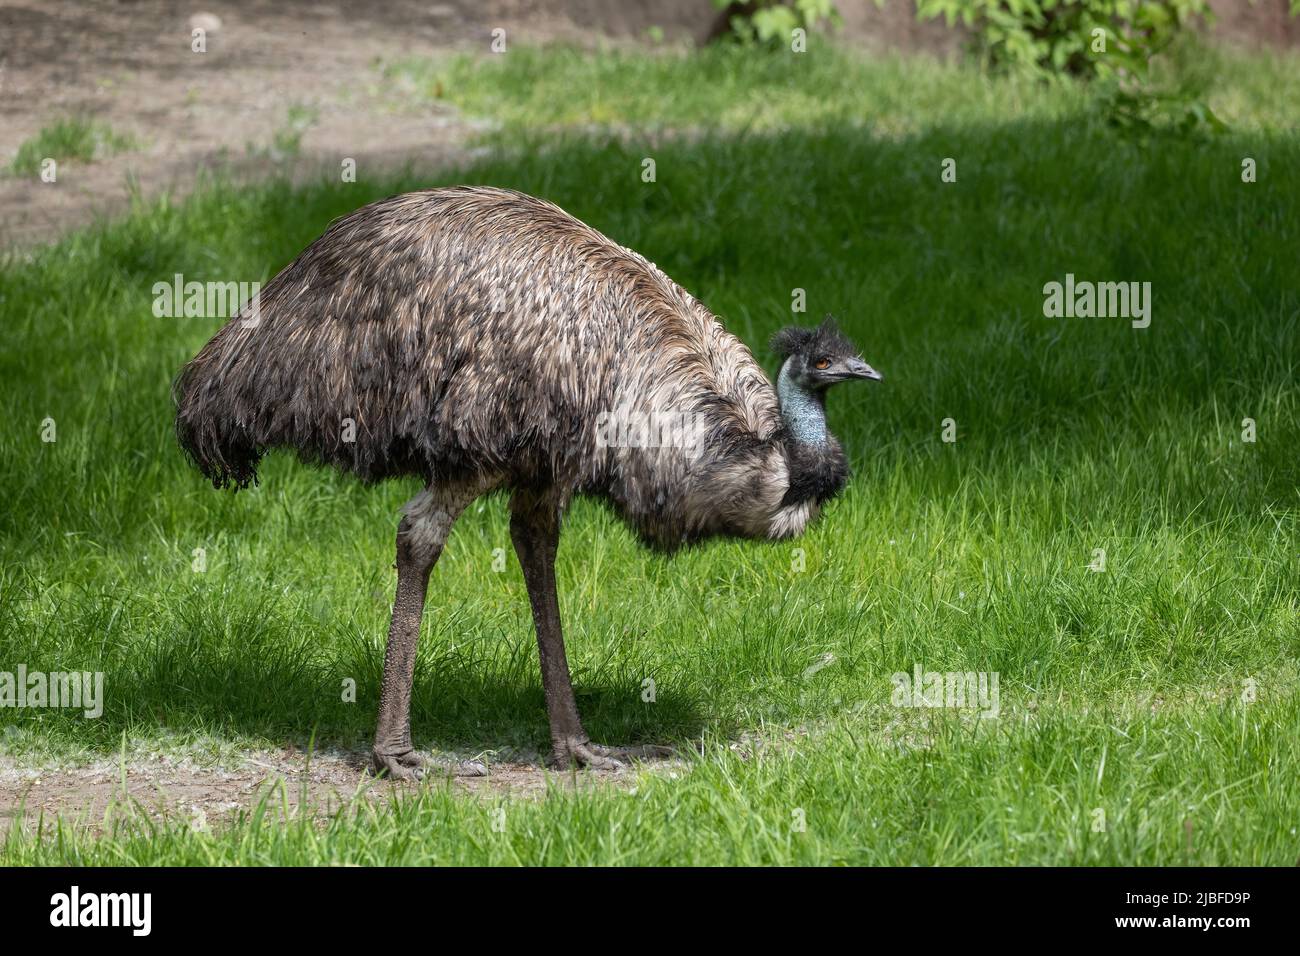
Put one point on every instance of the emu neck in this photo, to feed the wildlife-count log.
(803, 410)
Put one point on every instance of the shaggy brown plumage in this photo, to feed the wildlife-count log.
(477, 338)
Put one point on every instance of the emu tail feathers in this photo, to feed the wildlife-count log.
(209, 434)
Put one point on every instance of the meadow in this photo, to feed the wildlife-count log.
(1156, 684)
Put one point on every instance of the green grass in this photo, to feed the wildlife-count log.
(738, 88)
(860, 793)
(1121, 690)
(74, 138)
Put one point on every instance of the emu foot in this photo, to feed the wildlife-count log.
(408, 765)
(412, 765)
(583, 753)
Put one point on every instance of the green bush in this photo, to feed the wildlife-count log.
(772, 22)
(1103, 38)
(1112, 42)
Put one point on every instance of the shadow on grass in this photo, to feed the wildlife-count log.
(238, 663)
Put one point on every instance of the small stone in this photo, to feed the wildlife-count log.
(207, 22)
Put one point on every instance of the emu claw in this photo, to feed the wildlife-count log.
(584, 753)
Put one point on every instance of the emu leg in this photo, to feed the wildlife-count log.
(535, 531)
(420, 537)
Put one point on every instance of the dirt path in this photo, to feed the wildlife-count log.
(208, 795)
(271, 69)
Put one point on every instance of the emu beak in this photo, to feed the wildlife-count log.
(860, 369)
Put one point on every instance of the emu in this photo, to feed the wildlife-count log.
(474, 337)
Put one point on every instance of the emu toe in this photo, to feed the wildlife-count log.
(584, 753)
(415, 766)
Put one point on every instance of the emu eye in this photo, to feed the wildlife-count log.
(822, 364)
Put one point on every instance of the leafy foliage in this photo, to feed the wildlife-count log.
(1102, 38)
(1114, 42)
(771, 22)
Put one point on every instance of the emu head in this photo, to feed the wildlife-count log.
(815, 359)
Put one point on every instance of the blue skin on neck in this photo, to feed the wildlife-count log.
(801, 408)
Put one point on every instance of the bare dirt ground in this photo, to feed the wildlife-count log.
(179, 788)
(267, 65)
(130, 65)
